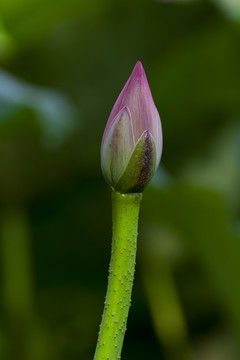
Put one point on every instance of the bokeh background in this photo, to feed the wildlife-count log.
(63, 64)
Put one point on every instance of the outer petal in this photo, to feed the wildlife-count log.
(119, 104)
(117, 146)
(157, 135)
(136, 95)
(140, 167)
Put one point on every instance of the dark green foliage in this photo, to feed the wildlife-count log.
(71, 59)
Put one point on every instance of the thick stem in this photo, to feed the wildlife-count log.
(121, 274)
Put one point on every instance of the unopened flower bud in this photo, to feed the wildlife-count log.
(132, 141)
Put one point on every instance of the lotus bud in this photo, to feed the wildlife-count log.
(132, 141)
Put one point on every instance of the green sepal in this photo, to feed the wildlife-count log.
(140, 167)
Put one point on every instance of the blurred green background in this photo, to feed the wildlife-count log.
(63, 64)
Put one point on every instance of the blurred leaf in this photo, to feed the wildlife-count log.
(218, 167)
(30, 20)
(196, 93)
(6, 42)
(230, 7)
(56, 117)
(35, 124)
(201, 219)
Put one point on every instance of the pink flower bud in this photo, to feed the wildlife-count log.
(132, 141)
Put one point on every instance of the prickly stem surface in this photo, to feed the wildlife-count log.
(121, 274)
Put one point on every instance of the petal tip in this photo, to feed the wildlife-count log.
(138, 71)
(125, 110)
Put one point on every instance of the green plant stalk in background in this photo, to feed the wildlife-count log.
(17, 289)
(16, 263)
(125, 210)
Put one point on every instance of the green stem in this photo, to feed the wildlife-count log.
(17, 287)
(121, 274)
(16, 263)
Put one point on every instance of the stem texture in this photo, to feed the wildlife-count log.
(121, 274)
